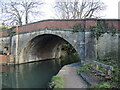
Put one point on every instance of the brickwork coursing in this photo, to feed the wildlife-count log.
(3, 33)
(63, 24)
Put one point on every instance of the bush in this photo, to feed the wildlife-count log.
(70, 59)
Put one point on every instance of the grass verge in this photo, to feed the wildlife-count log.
(57, 82)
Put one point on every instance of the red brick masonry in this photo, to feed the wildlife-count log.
(63, 24)
(3, 59)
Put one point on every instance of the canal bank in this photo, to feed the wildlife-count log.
(70, 76)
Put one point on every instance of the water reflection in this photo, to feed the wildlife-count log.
(31, 75)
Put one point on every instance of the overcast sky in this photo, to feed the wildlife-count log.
(112, 8)
(111, 11)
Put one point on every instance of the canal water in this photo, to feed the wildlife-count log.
(30, 75)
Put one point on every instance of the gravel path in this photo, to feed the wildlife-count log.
(71, 78)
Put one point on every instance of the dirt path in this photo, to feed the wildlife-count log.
(71, 78)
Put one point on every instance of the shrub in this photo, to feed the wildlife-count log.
(70, 59)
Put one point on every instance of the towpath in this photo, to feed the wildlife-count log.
(71, 78)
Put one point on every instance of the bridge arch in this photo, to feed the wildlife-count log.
(44, 46)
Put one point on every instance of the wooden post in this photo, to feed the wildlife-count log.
(97, 66)
(109, 72)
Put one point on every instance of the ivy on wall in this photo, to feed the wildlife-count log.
(98, 30)
(102, 28)
(11, 32)
(3, 28)
(78, 28)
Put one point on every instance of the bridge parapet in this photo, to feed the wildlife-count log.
(68, 24)
(64, 24)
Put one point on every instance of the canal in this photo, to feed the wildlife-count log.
(30, 75)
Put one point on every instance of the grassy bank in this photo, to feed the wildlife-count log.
(57, 82)
(68, 56)
(114, 79)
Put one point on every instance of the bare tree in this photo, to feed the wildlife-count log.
(77, 9)
(19, 12)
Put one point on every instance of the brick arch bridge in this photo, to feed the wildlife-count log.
(46, 44)
(42, 40)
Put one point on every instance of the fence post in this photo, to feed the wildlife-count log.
(97, 67)
(109, 72)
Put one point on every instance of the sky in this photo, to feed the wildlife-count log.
(111, 11)
(112, 8)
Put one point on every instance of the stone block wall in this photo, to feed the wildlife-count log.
(108, 46)
(4, 42)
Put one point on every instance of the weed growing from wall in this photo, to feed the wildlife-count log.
(78, 28)
(11, 32)
(101, 28)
